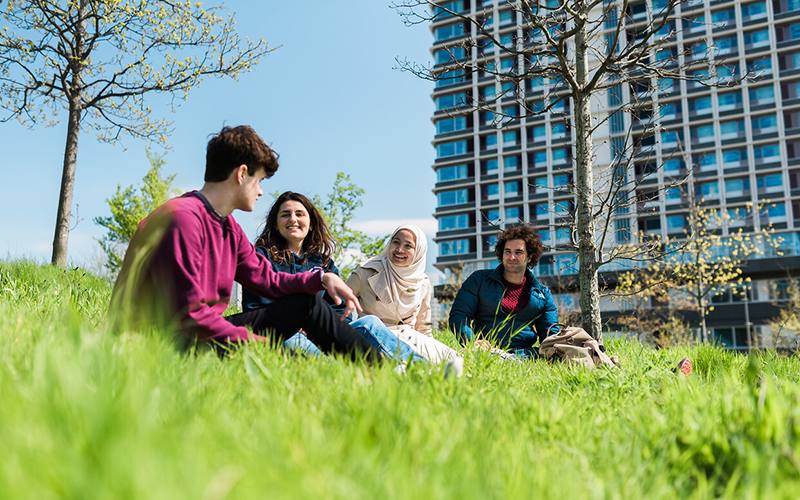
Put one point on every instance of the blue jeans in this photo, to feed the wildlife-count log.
(374, 331)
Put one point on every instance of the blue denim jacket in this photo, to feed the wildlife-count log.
(252, 301)
(477, 309)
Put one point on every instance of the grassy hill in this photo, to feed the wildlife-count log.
(88, 414)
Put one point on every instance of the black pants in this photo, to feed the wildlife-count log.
(283, 317)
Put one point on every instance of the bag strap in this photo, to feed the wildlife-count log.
(561, 327)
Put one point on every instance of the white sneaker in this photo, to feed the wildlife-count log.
(454, 368)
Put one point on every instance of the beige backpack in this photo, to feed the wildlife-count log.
(573, 345)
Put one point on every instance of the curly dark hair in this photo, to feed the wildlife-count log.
(526, 233)
(235, 146)
(319, 240)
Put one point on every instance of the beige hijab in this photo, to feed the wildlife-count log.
(401, 286)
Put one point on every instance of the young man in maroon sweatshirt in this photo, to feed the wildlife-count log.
(180, 266)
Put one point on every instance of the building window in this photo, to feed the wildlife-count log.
(539, 211)
(766, 153)
(539, 185)
(454, 247)
(707, 191)
(511, 163)
(737, 217)
(735, 188)
(755, 39)
(675, 223)
(561, 156)
(456, 197)
(449, 223)
(673, 196)
(451, 149)
(450, 78)
(491, 217)
(760, 67)
(762, 95)
(559, 131)
(673, 166)
(491, 192)
(451, 101)
(453, 173)
(511, 139)
(731, 130)
(790, 90)
(772, 183)
(489, 167)
(764, 124)
(561, 181)
(448, 32)
(773, 213)
(451, 125)
(734, 158)
(539, 134)
(671, 139)
(729, 101)
(447, 55)
(513, 189)
(702, 134)
(754, 10)
(727, 45)
(723, 18)
(489, 142)
(540, 159)
(513, 215)
(705, 162)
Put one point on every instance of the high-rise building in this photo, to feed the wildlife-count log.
(741, 144)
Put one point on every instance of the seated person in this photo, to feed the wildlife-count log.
(181, 263)
(394, 287)
(297, 239)
(507, 305)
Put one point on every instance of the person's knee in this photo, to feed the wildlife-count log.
(368, 322)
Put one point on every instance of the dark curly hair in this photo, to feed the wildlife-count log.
(526, 233)
(319, 240)
(235, 146)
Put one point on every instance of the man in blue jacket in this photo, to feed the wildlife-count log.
(507, 306)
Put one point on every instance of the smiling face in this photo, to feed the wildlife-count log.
(402, 248)
(515, 257)
(293, 222)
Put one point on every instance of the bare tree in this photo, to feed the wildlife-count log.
(99, 58)
(582, 52)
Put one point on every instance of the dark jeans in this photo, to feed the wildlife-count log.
(283, 317)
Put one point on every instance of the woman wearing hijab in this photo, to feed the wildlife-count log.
(394, 287)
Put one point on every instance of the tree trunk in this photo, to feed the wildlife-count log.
(74, 94)
(701, 304)
(587, 246)
(67, 183)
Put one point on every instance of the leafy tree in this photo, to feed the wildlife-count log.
(578, 52)
(129, 206)
(699, 264)
(98, 59)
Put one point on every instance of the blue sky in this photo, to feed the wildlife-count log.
(328, 100)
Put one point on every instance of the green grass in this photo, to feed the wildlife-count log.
(88, 414)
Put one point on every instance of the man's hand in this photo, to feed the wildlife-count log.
(337, 289)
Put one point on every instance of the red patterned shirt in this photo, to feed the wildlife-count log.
(516, 296)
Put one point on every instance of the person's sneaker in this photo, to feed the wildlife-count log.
(454, 368)
(684, 366)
